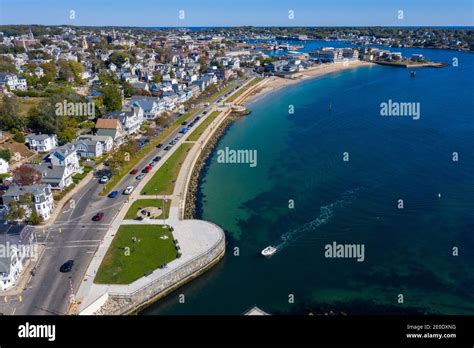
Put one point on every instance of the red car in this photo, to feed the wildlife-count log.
(147, 169)
(134, 171)
(98, 217)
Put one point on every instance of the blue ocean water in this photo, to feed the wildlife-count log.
(408, 251)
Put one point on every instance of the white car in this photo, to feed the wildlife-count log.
(128, 190)
(104, 179)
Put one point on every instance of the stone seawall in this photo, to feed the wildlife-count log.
(190, 204)
(123, 304)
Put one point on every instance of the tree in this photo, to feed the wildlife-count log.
(50, 72)
(172, 74)
(26, 175)
(18, 136)
(5, 154)
(6, 65)
(15, 212)
(157, 77)
(112, 98)
(9, 114)
(35, 218)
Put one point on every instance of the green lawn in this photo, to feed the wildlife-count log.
(143, 203)
(162, 183)
(145, 254)
(145, 151)
(203, 126)
(243, 89)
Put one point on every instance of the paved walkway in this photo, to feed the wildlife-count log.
(195, 237)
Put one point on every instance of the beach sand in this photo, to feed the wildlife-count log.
(273, 83)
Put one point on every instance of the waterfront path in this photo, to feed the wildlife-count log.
(202, 243)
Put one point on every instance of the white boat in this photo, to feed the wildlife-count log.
(268, 251)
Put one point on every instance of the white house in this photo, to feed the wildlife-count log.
(130, 120)
(3, 166)
(62, 165)
(42, 142)
(106, 140)
(89, 148)
(43, 201)
(18, 248)
(13, 82)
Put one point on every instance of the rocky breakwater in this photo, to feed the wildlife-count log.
(190, 204)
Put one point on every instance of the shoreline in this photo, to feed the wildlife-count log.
(275, 83)
(270, 85)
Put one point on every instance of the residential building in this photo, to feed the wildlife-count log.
(86, 148)
(42, 142)
(20, 248)
(106, 140)
(43, 201)
(3, 166)
(111, 128)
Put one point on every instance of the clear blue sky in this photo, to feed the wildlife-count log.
(239, 12)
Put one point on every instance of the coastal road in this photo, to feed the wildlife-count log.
(74, 236)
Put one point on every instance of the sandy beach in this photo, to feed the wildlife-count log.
(273, 83)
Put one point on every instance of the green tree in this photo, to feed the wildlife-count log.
(5, 154)
(6, 65)
(35, 218)
(9, 114)
(18, 136)
(15, 212)
(112, 98)
(157, 77)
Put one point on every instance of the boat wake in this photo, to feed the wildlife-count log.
(326, 213)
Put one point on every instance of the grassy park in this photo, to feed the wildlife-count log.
(136, 250)
(202, 127)
(242, 90)
(162, 183)
(145, 203)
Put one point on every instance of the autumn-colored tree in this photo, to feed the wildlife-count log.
(26, 175)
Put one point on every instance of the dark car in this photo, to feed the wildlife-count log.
(113, 194)
(204, 112)
(184, 123)
(159, 146)
(157, 159)
(167, 148)
(134, 171)
(66, 266)
(98, 217)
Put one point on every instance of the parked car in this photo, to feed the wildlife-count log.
(157, 159)
(134, 171)
(113, 194)
(167, 148)
(184, 123)
(172, 142)
(184, 130)
(152, 164)
(204, 112)
(128, 190)
(147, 169)
(140, 176)
(98, 217)
(104, 179)
(66, 266)
(159, 146)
